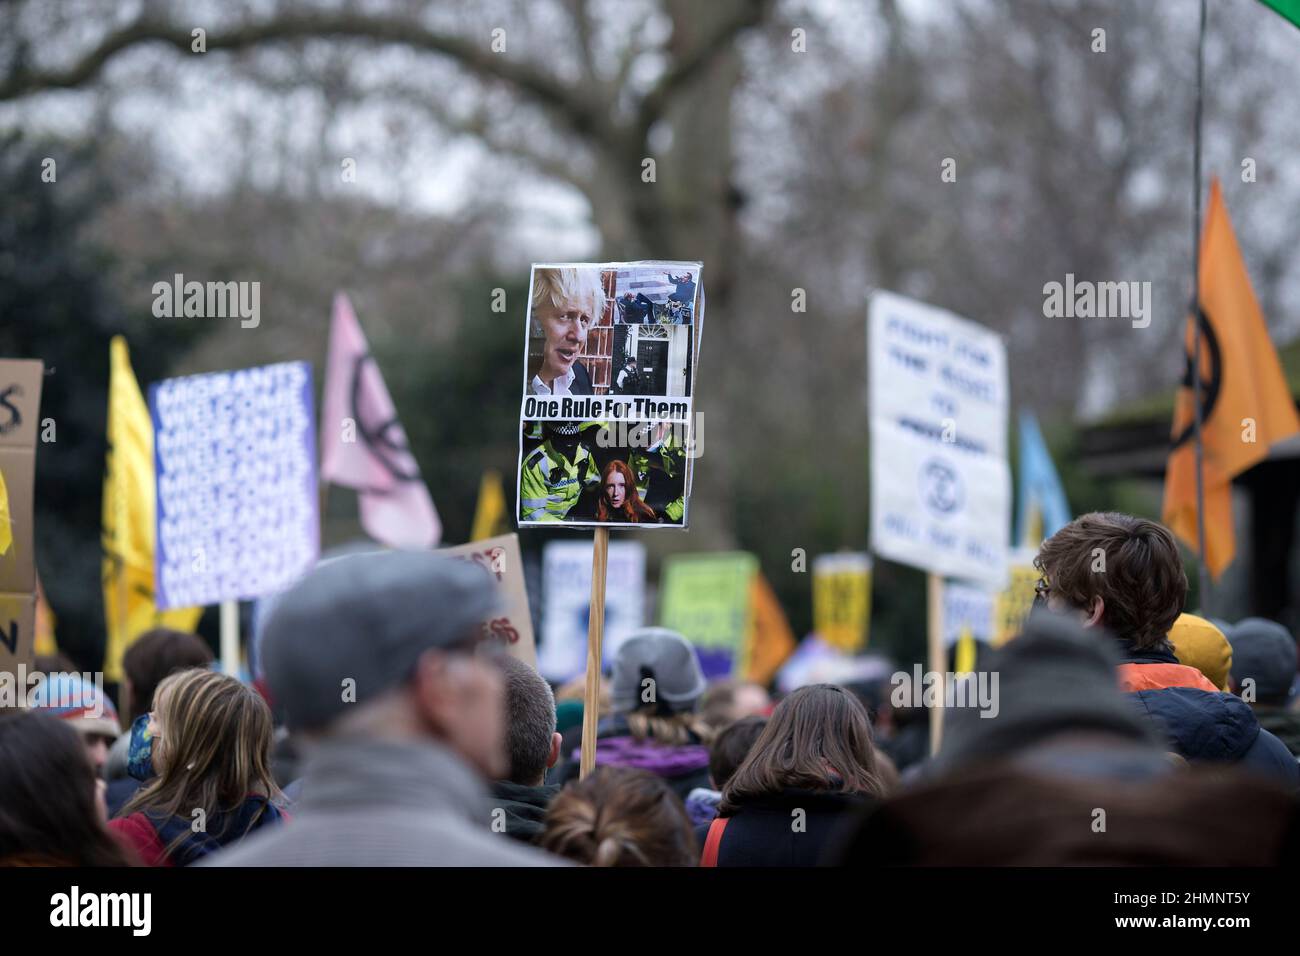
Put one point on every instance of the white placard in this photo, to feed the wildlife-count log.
(566, 600)
(940, 483)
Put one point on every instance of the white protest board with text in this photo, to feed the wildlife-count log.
(940, 482)
(566, 593)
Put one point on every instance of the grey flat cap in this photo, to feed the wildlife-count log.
(367, 617)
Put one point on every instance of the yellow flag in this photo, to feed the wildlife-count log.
(6, 525)
(965, 652)
(489, 516)
(128, 519)
(1246, 405)
(45, 621)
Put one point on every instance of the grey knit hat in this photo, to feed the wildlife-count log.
(1264, 651)
(663, 656)
(367, 617)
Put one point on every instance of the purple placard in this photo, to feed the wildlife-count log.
(235, 465)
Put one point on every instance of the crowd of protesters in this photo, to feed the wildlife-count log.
(384, 733)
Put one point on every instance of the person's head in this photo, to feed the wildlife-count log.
(731, 747)
(727, 701)
(1263, 654)
(566, 303)
(657, 683)
(386, 646)
(620, 817)
(818, 738)
(151, 657)
(1118, 572)
(83, 705)
(619, 495)
(532, 745)
(51, 812)
(211, 746)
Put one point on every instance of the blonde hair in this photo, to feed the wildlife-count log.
(670, 730)
(215, 747)
(556, 287)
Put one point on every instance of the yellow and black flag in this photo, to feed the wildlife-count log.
(1246, 405)
(128, 519)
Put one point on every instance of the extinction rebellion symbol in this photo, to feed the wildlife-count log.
(940, 488)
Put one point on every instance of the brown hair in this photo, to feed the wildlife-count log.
(48, 816)
(213, 752)
(155, 654)
(732, 746)
(1132, 564)
(620, 817)
(818, 738)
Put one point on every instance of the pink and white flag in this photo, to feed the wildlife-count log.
(363, 445)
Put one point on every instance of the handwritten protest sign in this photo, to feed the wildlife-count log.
(236, 483)
(566, 594)
(940, 483)
(513, 626)
(20, 402)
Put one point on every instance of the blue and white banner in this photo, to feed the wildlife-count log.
(235, 456)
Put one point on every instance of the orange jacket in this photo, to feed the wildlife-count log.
(1158, 676)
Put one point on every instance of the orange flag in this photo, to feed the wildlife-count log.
(1246, 405)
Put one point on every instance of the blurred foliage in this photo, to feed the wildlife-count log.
(57, 305)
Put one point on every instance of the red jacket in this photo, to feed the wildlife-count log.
(139, 834)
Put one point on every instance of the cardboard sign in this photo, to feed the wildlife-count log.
(708, 599)
(20, 404)
(842, 599)
(940, 482)
(607, 437)
(513, 627)
(566, 603)
(236, 483)
(17, 631)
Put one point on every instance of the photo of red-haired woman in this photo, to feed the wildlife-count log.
(619, 499)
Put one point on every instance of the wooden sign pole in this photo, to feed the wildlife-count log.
(595, 635)
(230, 638)
(936, 658)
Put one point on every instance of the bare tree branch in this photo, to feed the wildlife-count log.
(745, 14)
(579, 110)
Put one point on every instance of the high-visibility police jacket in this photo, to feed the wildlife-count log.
(550, 484)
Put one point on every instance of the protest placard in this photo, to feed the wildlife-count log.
(842, 599)
(236, 483)
(708, 599)
(940, 482)
(566, 604)
(20, 403)
(1013, 602)
(500, 558)
(607, 434)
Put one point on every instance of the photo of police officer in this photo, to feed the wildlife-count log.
(563, 307)
(602, 473)
(559, 475)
